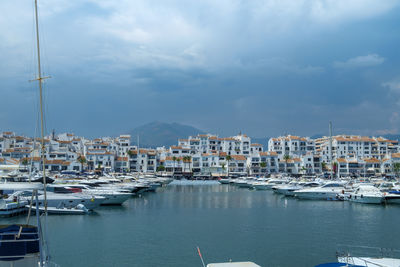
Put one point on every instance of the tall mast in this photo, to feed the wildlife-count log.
(43, 150)
(330, 148)
(138, 155)
(40, 80)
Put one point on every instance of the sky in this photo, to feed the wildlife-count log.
(265, 68)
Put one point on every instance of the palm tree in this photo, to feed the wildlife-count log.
(323, 166)
(303, 169)
(286, 158)
(184, 160)
(82, 161)
(160, 168)
(173, 169)
(178, 160)
(24, 162)
(223, 166)
(228, 159)
(396, 168)
(130, 153)
(187, 160)
(263, 164)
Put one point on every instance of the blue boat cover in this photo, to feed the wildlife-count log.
(30, 243)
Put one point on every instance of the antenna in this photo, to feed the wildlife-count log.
(201, 257)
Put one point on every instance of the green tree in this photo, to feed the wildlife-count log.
(82, 161)
(186, 161)
(223, 166)
(263, 165)
(396, 168)
(25, 162)
(303, 170)
(286, 158)
(178, 160)
(173, 168)
(160, 168)
(323, 165)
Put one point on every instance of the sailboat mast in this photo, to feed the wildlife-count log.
(330, 148)
(40, 79)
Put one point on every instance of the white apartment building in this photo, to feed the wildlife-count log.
(207, 143)
(358, 147)
(294, 146)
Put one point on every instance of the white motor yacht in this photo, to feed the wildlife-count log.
(224, 180)
(368, 194)
(328, 191)
(245, 182)
(276, 182)
(112, 196)
(290, 188)
(59, 200)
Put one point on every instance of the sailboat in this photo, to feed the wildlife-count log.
(25, 244)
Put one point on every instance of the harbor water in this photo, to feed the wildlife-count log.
(226, 222)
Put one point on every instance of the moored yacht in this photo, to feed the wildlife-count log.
(289, 189)
(112, 196)
(58, 200)
(328, 191)
(224, 180)
(245, 182)
(368, 194)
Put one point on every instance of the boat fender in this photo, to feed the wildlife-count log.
(362, 196)
(81, 207)
(343, 191)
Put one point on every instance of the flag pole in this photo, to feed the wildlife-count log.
(201, 257)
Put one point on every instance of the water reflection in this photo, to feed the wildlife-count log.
(163, 229)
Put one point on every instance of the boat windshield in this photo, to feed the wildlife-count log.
(333, 185)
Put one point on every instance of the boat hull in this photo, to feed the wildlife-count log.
(116, 199)
(366, 199)
(317, 195)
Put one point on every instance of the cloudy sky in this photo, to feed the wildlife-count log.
(261, 67)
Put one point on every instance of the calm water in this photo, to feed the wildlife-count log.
(164, 228)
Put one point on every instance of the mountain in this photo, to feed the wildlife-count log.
(392, 136)
(157, 134)
(316, 136)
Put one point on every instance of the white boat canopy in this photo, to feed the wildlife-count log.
(21, 186)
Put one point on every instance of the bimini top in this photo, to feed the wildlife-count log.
(234, 264)
(21, 186)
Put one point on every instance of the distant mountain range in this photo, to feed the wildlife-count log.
(392, 136)
(156, 134)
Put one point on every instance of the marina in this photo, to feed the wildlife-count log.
(227, 222)
(169, 194)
